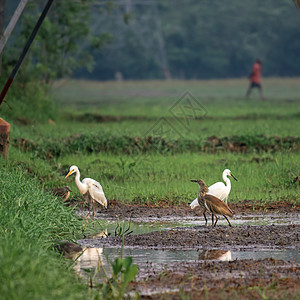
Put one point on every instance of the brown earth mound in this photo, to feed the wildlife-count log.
(221, 237)
(240, 279)
(165, 208)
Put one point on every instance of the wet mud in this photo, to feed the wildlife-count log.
(213, 275)
(201, 237)
(240, 279)
(167, 209)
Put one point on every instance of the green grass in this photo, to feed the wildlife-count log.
(118, 154)
(149, 178)
(84, 94)
(197, 129)
(30, 272)
(30, 223)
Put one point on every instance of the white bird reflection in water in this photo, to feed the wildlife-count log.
(84, 258)
(223, 255)
(89, 258)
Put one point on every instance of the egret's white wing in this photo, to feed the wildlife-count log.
(194, 204)
(90, 181)
(98, 195)
(96, 191)
(219, 190)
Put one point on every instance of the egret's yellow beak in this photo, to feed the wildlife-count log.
(70, 173)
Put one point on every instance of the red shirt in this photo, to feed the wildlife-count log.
(256, 73)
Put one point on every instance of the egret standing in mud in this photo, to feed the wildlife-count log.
(89, 188)
(212, 204)
(218, 189)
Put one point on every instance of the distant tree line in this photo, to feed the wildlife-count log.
(146, 39)
(59, 47)
(64, 43)
(197, 39)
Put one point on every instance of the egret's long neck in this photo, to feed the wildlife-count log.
(227, 181)
(79, 184)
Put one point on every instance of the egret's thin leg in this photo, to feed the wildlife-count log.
(228, 221)
(94, 209)
(87, 216)
(212, 220)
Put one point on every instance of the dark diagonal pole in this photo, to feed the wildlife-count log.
(297, 3)
(23, 54)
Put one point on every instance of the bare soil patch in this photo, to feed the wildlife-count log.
(165, 208)
(240, 279)
(221, 237)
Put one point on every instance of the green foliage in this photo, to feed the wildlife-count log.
(121, 230)
(94, 143)
(123, 272)
(24, 267)
(26, 209)
(132, 166)
(30, 221)
(201, 39)
(60, 46)
(28, 104)
(125, 167)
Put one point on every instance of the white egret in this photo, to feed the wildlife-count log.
(89, 188)
(218, 189)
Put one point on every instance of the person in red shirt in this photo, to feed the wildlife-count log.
(255, 79)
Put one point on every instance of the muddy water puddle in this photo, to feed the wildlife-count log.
(182, 245)
(145, 257)
(150, 224)
(142, 255)
(154, 263)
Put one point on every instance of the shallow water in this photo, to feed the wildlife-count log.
(147, 225)
(92, 256)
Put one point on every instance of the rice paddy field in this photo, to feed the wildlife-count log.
(144, 141)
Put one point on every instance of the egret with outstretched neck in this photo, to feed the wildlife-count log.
(219, 189)
(89, 188)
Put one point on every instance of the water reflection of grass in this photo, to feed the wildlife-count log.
(136, 227)
(148, 225)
